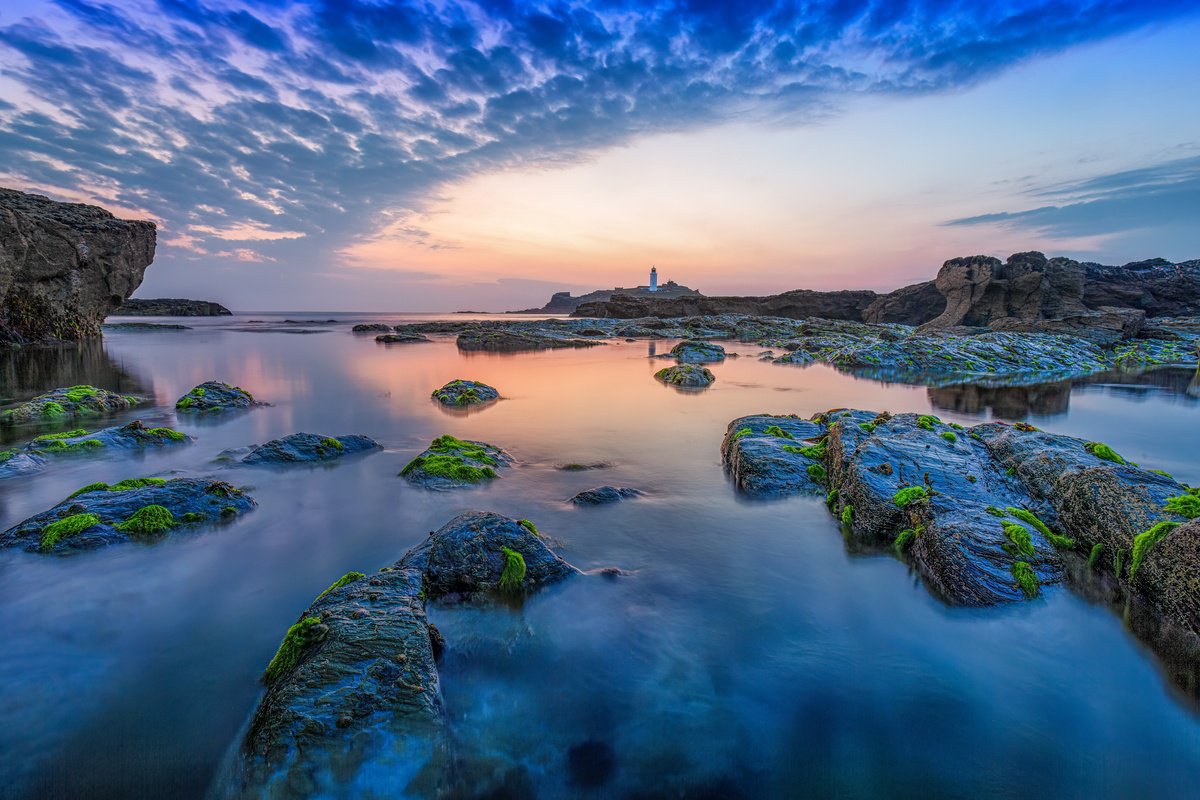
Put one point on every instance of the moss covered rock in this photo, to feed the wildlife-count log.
(67, 404)
(686, 376)
(138, 508)
(450, 463)
(303, 448)
(401, 338)
(214, 396)
(691, 351)
(461, 394)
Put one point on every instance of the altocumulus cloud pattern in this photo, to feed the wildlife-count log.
(270, 129)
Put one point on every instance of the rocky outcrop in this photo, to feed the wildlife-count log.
(1158, 287)
(64, 267)
(67, 404)
(215, 396)
(371, 327)
(500, 340)
(450, 463)
(565, 302)
(603, 495)
(686, 376)
(301, 448)
(34, 456)
(910, 305)
(989, 514)
(797, 304)
(461, 394)
(353, 695)
(140, 509)
(690, 351)
(401, 338)
(171, 307)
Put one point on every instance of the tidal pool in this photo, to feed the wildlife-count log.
(750, 652)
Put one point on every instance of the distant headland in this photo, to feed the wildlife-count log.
(566, 303)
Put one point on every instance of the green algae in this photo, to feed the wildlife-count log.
(995, 512)
(349, 577)
(831, 498)
(1104, 452)
(1185, 505)
(817, 473)
(50, 437)
(1026, 580)
(76, 394)
(136, 483)
(166, 433)
(298, 638)
(1094, 556)
(949, 436)
(184, 403)
(60, 446)
(927, 422)
(192, 516)
(1018, 536)
(905, 539)
(848, 515)
(742, 432)
(58, 530)
(529, 526)
(1145, 541)
(333, 443)
(53, 409)
(512, 578)
(775, 430)
(148, 519)
(869, 427)
(909, 495)
(449, 458)
(1056, 539)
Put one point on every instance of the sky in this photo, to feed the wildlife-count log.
(404, 156)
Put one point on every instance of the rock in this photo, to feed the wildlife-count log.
(1156, 286)
(990, 514)
(215, 396)
(980, 289)
(16, 463)
(910, 305)
(371, 327)
(303, 448)
(577, 467)
(33, 456)
(450, 463)
(171, 307)
(693, 352)
(499, 340)
(139, 509)
(796, 304)
(1106, 326)
(70, 403)
(353, 695)
(143, 326)
(64, 267)
(460, 393)
(565, 303)
(686, 376)
(401, 338)
(603, 495)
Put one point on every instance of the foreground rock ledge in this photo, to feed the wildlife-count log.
(991, 513)
(353, 696)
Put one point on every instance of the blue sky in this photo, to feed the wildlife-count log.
(355, 155)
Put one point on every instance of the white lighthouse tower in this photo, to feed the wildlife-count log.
(654, 279)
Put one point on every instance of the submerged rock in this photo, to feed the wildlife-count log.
(686, 376)
(507, 340)
(33, 456)
(459, 393)
(302, 448)
(353, 695)
(371, 327)
(990, 513)
(14, 463)
(693, 352)
(137, 509)
(215, 396)
(450, 463)
(62, 405)
(401, 338)
(603, 495)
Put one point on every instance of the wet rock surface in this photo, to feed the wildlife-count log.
(141, 509)
(355, 685)
(498, 340)
(35, 455)
(371, 327)
(686, 376)
(64, 267)
(690, 351)
(215, 396)
(451, 463)
(988, 514)
(603, 495)
(460, 393)
(302, 448)
(401, 338)
(67, 404)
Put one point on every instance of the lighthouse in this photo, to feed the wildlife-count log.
(654, 279)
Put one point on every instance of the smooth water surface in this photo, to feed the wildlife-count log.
(750, 652)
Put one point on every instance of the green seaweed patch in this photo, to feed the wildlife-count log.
(1018, 536)
(1026, 580)
(869, 427)
(848, 515)
(995, 512)
(909, 495)
(742, 432)
(1164, 473)
(349, 577)
(298, 638)
(77, 394)
(1056, 539)
(905, 539)
(53, 409)
(192, 516)
(50, 437)
(927, 422)
(817, 473)
(60, 446)
(58, 530)
(1104, 452)
(135, 483)
(5, 455)
(831, 498)
(332, 442)
(775, 430)
(529, 526)
(512, 578)
(1185, 505)
(166, 433)
(451, 467)
(1094, 555)
(148, 519)
(949, 436)
(184, 402)
(1145, 541)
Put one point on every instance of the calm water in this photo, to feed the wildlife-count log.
(750, 653)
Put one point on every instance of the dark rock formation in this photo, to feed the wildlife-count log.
(355, 684)
(500, 340)
(143, 326)
(450, 463)
(602, 495)
(401, 338)
(371, 327)
(565, 303)
(215, 396)
(686, 376)
(64, 267)
(171, 307)
(990, 514)
(460, 393)
(797, 304)
(910, 305)
(302, 448)
(1157, 286)
(134, 436)
(139, 509)
(690, 351)
(64, 405)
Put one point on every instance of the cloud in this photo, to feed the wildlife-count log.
(330, 119)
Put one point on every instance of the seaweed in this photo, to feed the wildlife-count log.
(1056, 539)
(910, 494)
(1026, 579)
(1145, 541)
(298, 638)
(148, 519)
(58, 530)
(512, 578)
(349, 577)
